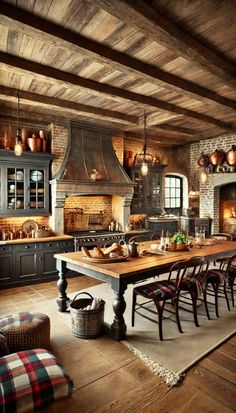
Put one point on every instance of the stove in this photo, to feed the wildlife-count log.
(96, 238)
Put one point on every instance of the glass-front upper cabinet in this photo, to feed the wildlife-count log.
(24, 184)
(147, 198)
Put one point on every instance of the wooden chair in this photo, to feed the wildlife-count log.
(227, 273)
(183, 277)
(222, 235)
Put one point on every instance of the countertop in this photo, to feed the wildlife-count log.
(166, 219)
(62, 237)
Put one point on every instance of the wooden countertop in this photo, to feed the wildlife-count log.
(62, 237)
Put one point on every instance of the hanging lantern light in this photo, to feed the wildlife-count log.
(144, 159)
(18, 145)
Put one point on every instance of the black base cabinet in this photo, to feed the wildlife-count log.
(158, 226)
(6, 264)
(23, 264)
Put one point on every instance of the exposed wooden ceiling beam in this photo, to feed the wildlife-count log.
(172, 128)
(101, 88)
(157, 27)
(154, 138)
(34, 25)
(78, 107)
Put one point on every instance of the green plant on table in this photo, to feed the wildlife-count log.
(180, 238)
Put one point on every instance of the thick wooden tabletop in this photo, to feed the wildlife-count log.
(143, 263)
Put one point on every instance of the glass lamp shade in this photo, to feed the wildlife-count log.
(203, 176)
(144, 169)
(18, 149)
(18, 145)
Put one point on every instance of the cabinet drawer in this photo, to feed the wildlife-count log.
(48, 245)
(26, 247)
(5, 249)
(65, 244)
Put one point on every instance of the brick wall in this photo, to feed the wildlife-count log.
(209, 192)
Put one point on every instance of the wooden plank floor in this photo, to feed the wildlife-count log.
(109, 378)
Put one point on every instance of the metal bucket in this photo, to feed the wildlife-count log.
(86, 323)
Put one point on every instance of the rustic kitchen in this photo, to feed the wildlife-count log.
(117, 143)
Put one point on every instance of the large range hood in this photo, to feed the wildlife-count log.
(89, 149)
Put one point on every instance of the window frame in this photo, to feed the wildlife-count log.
(175, 179)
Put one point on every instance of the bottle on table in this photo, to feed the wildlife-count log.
(162, 241)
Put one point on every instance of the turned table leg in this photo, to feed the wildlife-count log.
(62, 300)
(118, 327)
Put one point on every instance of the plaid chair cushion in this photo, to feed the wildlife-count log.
(30, 380)
(161, 290)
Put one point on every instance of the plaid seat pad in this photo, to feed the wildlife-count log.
(162, 290)
(30, 380)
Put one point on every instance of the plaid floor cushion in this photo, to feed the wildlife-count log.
(30, 380)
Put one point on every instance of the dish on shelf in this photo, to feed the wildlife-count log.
(20, 191)
(30, 224)
(105, 260)
(36, 176)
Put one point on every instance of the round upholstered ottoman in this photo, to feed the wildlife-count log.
(26, 331)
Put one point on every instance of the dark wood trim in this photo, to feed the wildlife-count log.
(110, 91)
(36, 26)
(158, 28)
(61, 103)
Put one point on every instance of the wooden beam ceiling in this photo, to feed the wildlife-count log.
(36, 26)
(157, 27)
(108, 90)
(78, 107)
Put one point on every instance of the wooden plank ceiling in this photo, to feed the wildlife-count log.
(106, 61)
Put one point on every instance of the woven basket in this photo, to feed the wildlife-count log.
(86, 323)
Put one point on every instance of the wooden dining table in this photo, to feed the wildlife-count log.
(122, 273)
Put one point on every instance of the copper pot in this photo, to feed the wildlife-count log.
(217, 157)
(25, 134)
(34, 144)
(203, 160)
(230, 156)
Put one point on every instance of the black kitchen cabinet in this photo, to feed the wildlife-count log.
(28, 263)
(24, 188)
(162, 225)
(47, 262)
(6, 264)
(189, 224)
(147, 197)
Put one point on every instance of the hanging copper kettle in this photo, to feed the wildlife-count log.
(203, 160)
(217, 157)
(230, 156)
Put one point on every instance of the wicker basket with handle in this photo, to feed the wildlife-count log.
(86, 323)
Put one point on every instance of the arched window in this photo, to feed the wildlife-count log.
(173, 194)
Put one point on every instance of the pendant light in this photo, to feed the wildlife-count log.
(18, 145)
(144, 158)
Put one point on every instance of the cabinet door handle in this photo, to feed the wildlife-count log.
(2, 249)
(27, 246)
(49, 245)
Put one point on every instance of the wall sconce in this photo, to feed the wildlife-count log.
(193, 194)
(18, 145)
(203, 176)
(144, 158)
